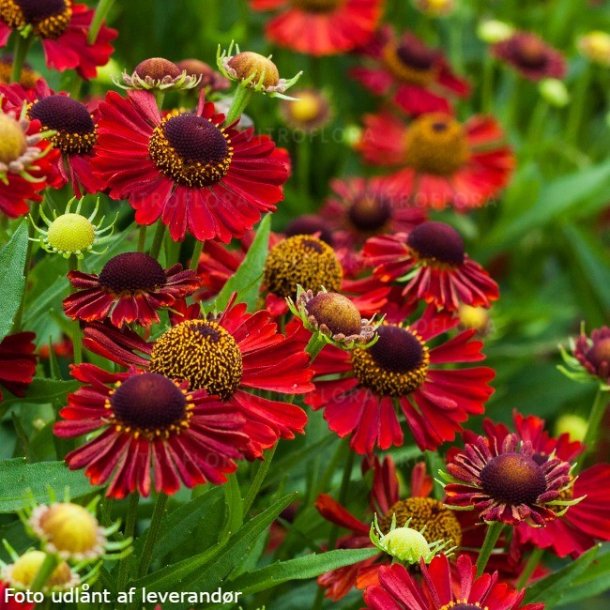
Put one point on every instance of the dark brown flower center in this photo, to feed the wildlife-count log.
(416, 55)
(202, 352)
(317, 6)
(148, 402)
(411, 60)
(439, 521)
(436, 144)
(132, 271)
(395, 365)
(308, 224)
(336, 312)
(70, 119)
(513, 478)
(190, 150)
(302, 260)
(48, 18)
(531, 52)
(370, 213)
(437, 242)
(157, 68)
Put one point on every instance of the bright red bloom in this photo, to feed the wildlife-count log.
(63, 28)
(321, 27)
(503, 477)
(186, 168)
(75, 131)
(229, 355)
(418, 78)
(440, 162)
(17, 362)
(130, 288)
(442, 588)
(402, 369)
(531, 56)
(433, 259)
(584, 523)
(28, 164)
(360, 208)
(12, 604)
(149, 423)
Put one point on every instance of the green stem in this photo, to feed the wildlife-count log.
(530, 566)
(494, 530)
(160, 97)
(130, 528)
(77, 344)
(536, 127)
(259, 478)
(196, 255)
(157, 240)
(241, 99)
(35, 215)
(100, 14)
(577, 107)
(22, 46)
(153, 533)
(315, 346)
(142, 238)
(343, 493)
(330, 469)
(44, 573)
(596, 416)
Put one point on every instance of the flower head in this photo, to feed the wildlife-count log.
(589, 357)
(595, 46)
(186, 168)
(130, 288)
(158, 73)
(21, 573)
(209, 79)
(308, 111)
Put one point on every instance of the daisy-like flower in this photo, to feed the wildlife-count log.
(308, 111)
(21, 573)
(73, 131)
(17, 362)
(321, 27)
(440, 161)
(63, 28)
(584, 523)
(443, 588)
(402, 373)
(186, 168)
(27, 161)
(417, 77)
(130, 288)
(530, 56)
(360, 208)
(431, 260)
(230, 355)
(504, 477)
(147, 422)
(158, 73)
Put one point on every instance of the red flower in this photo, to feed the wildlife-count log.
(229, 355)
(384, 499)
(12, 604)
(360, 208)
(442, 588)
(432, 257)
(402, 369)
(62, 27)
(75, 131)
(148, 422)
(530, 56)
(504, 478)
(584, 523)
(321, 27)
(187, 169)
(27, 163)
(131, 288)
(441, 162)
(17, 362)
(418, 78)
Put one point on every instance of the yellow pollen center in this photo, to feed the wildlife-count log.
(47, 21)
(302, 260)
(70, 528)
(24, 570)
(71, 233)
(436, 144)
(201, 352)
(13, 142)
(305, 108)
(440, 522)
(463, 605)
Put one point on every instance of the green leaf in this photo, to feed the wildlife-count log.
(550, 589)
(20, 481)
(204, 572)
(234, 507)
(12, 280)
(44, 391)
(247, 279)
(301, 568)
